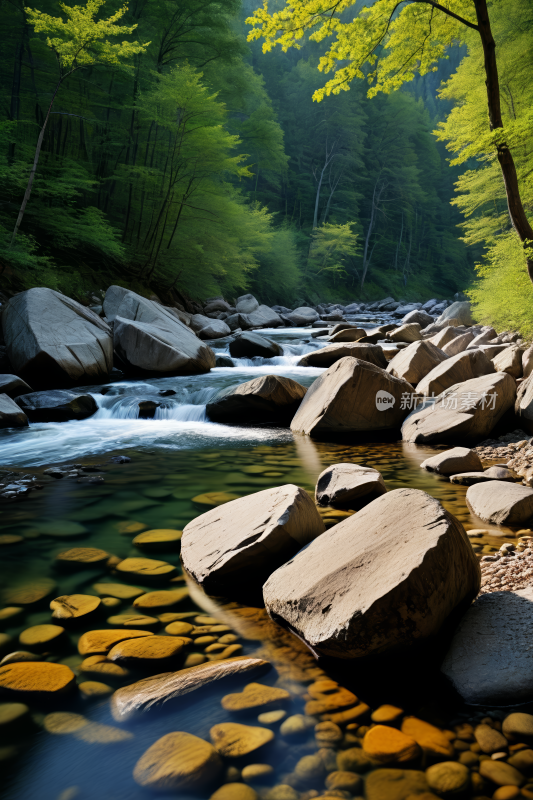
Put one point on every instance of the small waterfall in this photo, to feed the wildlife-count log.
(184, 407)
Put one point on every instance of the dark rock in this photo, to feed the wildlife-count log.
(224, 361)
(120, 459)
(249, 345)
(13, 386)
(147, 409)
(11, 415)
(57, 406)
(269, 399)
(166, 392)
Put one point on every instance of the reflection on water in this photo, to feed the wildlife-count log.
(176, 458)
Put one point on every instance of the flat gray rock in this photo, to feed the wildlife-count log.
(265, 317)
(327, 356)
(270, 399)
(491, 474)
(463, 412)
(303, 316)
(215, 329)
(13, 386)
(346, 483)
(406, 333)
(11, 415)
(57, 406)
(509, 360)
(419, 316)
(489, 659)
(151, 693)
(53, 341)
(501, 502)
(457, 369)
(460, 311)
(242, 542)
(352, 395)
(450, 462)
(382, 579)
(444, 336)
(415, 361)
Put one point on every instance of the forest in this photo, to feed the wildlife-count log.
(177, 152)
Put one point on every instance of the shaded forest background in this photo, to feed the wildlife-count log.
(204, 165)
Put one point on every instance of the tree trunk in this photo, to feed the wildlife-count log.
(29, 186)
(506, 161)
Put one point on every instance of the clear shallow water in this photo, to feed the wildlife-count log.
(176, 458)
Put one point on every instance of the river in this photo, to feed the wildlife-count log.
(177, 458)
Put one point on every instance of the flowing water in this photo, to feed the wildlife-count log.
(177, 458)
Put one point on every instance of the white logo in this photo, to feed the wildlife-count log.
(384, 400)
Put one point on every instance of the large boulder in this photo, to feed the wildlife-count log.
(303, 316)
(242, 542)
(219, 304)
(458, 344)
(450, 462)
(57, 406)
(270, 399)
(250, 345)
(524, 404)
(351, 334)
(235, 321)
(343, 484)
(11, 415)
(509, 360)
(378, 581)
(527, 362)
(13, 386)
(246, 304)
(406, 333)
(415, 361)
(327, 356)
(264, 317)
(419, 316)
(489, 660)
(53, 341)
(460, 311)
(149, 337)
(403, 310)
(352, 395)
(501, 502)
(457, 369)
(463, 412)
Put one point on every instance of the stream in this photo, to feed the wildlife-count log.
(178, 460)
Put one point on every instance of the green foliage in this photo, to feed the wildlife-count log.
(331, 247)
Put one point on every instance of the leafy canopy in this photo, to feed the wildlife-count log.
(415, 38)
(82, 40)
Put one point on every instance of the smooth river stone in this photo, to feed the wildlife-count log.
(132, 621)
(395, 784)
(428, 737)
(99, 665)
(118, 590)
(154, 648)
(40, 635)
(38, 677)
(388, 744)
(166, 598)
(158, 540)
(147, 568)
(65, 722)
(82, 556)
(101, 642)
(153, 692)
(254, 695)
(74, 606)
(233, 740)
(178, 761)
(29, 593)
(448, 778)
(179, 628)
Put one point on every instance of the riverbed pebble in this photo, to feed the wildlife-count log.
(141, 621)
(257, 773)
(100, 642)
(254, 695)
(74, 606)
(152, 648)
(430, 738)
(387, 744)
(96, 689)
(39, 677)
(39, 636)
(29, 593)
(234, 740)
(119, 591)
(177, 762)
(166, 598)
(148, 569)
(489, 739)
(500, 773)
(448, 778)
(158, 540)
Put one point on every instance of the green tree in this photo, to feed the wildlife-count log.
(77, 43)
(388, 47)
